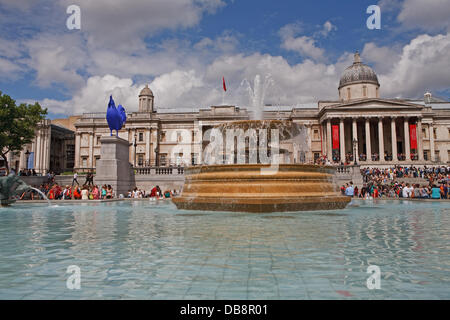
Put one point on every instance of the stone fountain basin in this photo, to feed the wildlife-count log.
(243, 188)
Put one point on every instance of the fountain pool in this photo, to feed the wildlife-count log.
(148, 250)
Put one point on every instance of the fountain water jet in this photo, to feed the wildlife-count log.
(257, 94)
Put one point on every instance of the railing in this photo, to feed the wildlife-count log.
(159, 170)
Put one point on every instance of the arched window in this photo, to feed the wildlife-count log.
(364, 91)
(349, 96)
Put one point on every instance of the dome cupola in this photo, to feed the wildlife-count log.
(358, 81)
(146, 100)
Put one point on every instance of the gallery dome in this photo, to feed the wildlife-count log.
(358, 72)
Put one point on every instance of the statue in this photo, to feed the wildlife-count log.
(116, 117)
(10, 186)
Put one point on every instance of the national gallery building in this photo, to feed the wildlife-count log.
(379, 132)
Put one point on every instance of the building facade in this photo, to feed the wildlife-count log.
(359, 124)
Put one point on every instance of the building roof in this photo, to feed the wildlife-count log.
(146, 91)
(358, 72)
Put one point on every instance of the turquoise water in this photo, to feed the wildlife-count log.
(144, 250)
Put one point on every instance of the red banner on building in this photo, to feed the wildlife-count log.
(335, 136)
(413, 136)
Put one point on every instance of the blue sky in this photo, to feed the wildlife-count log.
(182, 48)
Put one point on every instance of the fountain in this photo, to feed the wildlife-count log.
(244, 172)
(11, 186)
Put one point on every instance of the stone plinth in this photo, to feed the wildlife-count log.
(242, 187)
(114, 167)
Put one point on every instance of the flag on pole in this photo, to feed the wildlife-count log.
(224, 86)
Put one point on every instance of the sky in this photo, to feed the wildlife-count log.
(183, 48)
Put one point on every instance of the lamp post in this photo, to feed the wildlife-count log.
(156, 158)
(135, 145)
(355, 143)
(28, 155)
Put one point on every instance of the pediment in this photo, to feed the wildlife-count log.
(376, 104)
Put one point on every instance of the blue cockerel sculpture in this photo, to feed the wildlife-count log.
(115, 117)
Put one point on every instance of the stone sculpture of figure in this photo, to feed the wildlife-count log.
(115, 117)
(10, 186)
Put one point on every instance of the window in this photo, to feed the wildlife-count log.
(95, 160)
(194, 134)
(434, 134)
(141, 136)
(364, 91)
(449, 132)
(179, 137)
(426, 155)
(140, 160)
(378, 94)
(437, 156)
(349, 96)
(98, 140)
(163, 136)
(316, 134)
(193, 159)
(84, 162)
(179, 159)
(316, 156)
(424, 133)
(163, 159)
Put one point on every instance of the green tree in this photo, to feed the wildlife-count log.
(17, 125)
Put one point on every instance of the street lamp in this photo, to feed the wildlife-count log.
(156, 157)
(135, 145)
(28, 155)
(355, 143)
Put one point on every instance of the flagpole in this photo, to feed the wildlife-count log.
(223, 98)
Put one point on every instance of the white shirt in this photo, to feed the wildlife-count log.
(406, 192)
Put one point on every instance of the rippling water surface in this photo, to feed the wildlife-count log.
(145, 250)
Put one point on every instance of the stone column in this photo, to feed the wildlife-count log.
(37, 151)
(133, 141)
(419, 139)
(308, 155)
(355, 136)
(91, 150)
(77, 150)
(368, 147)
(394, 139)
(43, 151)
(342, 139)
(47, 146)
(407, 145)
(432, 157)
(380, 139)
(329, 147)
(23, 159)
(147, 146)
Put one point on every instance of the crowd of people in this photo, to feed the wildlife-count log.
(54, 191)
(155, 192)
(388, 183)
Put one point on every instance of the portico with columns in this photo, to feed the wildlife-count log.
(372, 135)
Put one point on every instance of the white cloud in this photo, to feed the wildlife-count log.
(382, 59)
(423, 65)
(57, 59)
(123, 25)
(303, 45)
(429, 15)
(94, 96)
(327, 28)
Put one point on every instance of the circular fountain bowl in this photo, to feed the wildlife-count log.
(257, 188)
